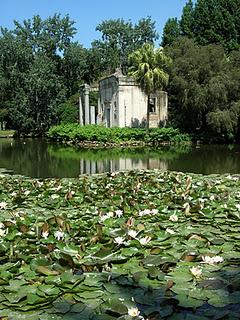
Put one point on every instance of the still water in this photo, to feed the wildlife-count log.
(39, 158)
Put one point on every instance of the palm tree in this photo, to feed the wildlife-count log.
(148, 67)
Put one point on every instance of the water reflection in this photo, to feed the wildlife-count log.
(38, 158)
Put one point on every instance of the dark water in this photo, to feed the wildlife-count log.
(38, 158)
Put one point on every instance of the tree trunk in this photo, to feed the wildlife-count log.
(148, 104)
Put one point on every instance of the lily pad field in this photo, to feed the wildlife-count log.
(126, 245)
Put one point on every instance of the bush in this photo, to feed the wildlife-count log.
(76, 133)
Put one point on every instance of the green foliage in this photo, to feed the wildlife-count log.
(204, 90)
(119, 39)
(171, 31)
(160, 244)
(76, 133)
(148, 67)
(207, 22)
(67, 113)
(30, 72)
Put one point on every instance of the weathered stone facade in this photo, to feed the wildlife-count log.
(122, 103)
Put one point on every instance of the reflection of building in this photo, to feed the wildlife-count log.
(122, 104)
(112, 165)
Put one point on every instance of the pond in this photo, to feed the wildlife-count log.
(39, 158)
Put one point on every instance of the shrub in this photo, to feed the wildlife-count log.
(77, 133)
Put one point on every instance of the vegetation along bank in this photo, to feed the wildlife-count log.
(126, 245)
(101, 136)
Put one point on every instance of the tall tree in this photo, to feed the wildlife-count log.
(187, 20)
(120, 38)
(148, 66)
(171, 31)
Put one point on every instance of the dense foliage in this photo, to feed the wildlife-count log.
(75, 134)
(41, 68)
(204, 90)
(120, 246)
(207, 21)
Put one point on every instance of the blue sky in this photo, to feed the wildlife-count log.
(89, 13)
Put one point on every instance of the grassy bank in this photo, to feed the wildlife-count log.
(76, 134)
(157, 245)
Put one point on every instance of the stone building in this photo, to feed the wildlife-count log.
(122, 103)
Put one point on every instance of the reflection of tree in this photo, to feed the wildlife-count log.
(31, 158)
(208, 160)
(38, 158)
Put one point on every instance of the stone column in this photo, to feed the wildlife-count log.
(86, 104)
(92, 115)
(80, 113)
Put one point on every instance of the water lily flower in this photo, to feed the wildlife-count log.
(237, 206)
(54, 196)
(212, 260)
(39, 184)
(118, 213)
(133, 312)
(13, 194)
(104, 217)
(173, 217)
(27, 192)
(119, 240)
(2, 232)
(154, 211)
(3, 205)
(144, 240)
(196, 272)
(45, 235)
(145, 212)
(110, 214)
(59, 235)
(132, 233)
(168, 230)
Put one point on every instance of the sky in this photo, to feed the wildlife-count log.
(89, 13)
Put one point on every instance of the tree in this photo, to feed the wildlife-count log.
(120, 38)
(171, 32)
(148, 66)
(39, 69)
(75, 67)
(187, 20)
(209, 22)
(204, 90)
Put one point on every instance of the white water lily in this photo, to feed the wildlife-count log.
(104, 217)
(133, 312)
(13, 194)
(110, 214)
(173, 217)
(145, 212)
(54, 196)
(39, 184)
(118, 213)
(196, 271)
(27, 192)
(154, 211)
(132, 233)
(59, 235)
(119, 240)
(212, 260)
(237, 206)
(45, 234)
(145, 240)
(2, 232)
(3, 205)
(168, 230)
